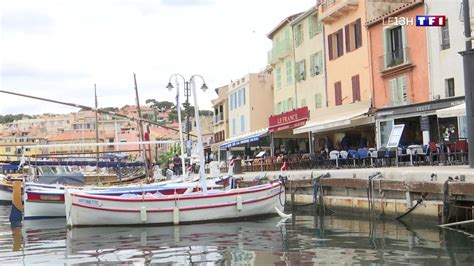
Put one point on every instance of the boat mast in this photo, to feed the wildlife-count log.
(140, 127)
(96, 128)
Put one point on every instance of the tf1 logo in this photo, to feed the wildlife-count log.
(419, 21)
(430, 21)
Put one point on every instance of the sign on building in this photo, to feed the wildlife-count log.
(395, 136)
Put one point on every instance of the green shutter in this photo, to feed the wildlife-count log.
(392, 84)
(297, 71)
(311, 26)
(402, 81)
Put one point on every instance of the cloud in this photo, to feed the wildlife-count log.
(12, 70)
(187, 2)
(26, 21)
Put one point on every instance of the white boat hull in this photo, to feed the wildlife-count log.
(87, 210)
(46, 201)
(5, 196)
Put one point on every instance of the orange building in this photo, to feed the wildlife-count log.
(400, 76)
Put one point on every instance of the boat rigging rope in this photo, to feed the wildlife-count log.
(418, 202)
(370, 191)
(283, 180)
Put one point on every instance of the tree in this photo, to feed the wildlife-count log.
(173, 116)
(201, 112)
(109, 109)
(163, 105)
(4, 119)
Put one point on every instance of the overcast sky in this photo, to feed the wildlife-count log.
(59, 49)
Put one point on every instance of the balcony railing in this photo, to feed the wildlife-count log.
(218, 118)
(279, 52)
(394, 58)
(328, 3)
(332, 10)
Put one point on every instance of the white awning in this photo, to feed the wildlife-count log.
(458, 110)
(337, 117)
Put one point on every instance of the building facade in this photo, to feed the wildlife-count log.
(220, 130)
(348, 83)
(249, 105)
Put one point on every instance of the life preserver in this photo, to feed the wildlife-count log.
(284, 167)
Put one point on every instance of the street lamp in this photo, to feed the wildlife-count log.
(170, 88)
(199, 147)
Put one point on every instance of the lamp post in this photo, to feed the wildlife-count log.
(170, 87)
(199, 146)
(187, 93)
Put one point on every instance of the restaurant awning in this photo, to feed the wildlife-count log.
(337, 117)
(245, 138)
(288, 120)
(457, 110)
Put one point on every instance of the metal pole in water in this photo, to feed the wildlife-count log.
(468, 62)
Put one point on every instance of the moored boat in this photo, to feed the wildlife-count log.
(84, 209)
(47, 201)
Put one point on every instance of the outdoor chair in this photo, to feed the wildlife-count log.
(343, 155)
(334, 156)
(363, 155)
(434, 152)
(461, 150)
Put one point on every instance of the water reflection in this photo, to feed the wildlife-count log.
(305, 238)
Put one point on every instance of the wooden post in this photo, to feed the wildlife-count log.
(16, 214)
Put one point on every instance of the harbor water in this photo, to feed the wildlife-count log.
(305, 238)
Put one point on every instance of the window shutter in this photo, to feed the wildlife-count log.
(403, 90)
(312, 65)
(302, 69)
(348, 38)
(311, 26)
(358, 34)
(340, 46)
(320, 62)
(297, 71)
(330, 50)
(392, 84)
(338, 93)
(355, 88)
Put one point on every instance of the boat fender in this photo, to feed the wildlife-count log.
(143, 214)
(175, 215)
(282, 214)
(239, 202)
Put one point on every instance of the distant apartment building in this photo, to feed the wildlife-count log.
(43, 124)
(12, 148)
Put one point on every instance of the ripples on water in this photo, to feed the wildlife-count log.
(305, 239)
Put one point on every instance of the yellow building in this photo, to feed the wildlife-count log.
(282, 59)
(220, 106)
(309, 60)
(10, 147)
(348, 80)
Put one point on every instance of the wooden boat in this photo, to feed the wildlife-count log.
(47, 201)
(84, 209)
